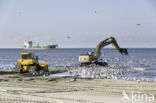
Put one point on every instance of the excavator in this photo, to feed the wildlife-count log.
(28, 63)
(93, 58)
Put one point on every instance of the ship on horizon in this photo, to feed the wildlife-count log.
(28, 45)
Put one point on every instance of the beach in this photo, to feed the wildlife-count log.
(15, 88)
(128, 79)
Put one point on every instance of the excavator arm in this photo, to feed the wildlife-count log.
(106, 42)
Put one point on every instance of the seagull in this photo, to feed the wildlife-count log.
(138, 24)
(19, 12)
(138, 81)
(95, 12)
(68, 37)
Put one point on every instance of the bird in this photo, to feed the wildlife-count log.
(68, 37)
(19, 12)
(138, 24)
(138, 81)
(95, 12)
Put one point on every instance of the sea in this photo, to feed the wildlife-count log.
(138, 59)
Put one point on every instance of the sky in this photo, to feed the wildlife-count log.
(86, 22)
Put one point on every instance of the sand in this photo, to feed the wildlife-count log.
(15, 88)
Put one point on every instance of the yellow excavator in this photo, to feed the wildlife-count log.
(28, 62)
(93, 58)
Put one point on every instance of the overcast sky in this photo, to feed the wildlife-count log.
(86, 22)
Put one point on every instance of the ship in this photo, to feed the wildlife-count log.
(28, 45)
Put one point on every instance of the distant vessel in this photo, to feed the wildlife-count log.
(28, 45)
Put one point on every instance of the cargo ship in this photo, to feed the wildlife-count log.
(28, 45)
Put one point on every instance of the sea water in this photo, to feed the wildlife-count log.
(142, 62)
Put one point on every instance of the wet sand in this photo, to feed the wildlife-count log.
(15, 88)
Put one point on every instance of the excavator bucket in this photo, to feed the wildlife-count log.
(123, 51)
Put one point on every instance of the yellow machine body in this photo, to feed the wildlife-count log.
(25, 68)
(27, 61)
(94, 57)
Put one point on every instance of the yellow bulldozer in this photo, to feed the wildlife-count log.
(93, 58)
(28, 62)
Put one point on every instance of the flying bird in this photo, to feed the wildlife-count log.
(19, 12)
(138, 24)
(68, 37)
(95, 12)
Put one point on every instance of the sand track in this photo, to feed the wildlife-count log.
(19, 89)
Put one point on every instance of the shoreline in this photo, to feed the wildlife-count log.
(82, 73)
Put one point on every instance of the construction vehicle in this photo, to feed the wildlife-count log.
(28, 62)
(93, 58)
